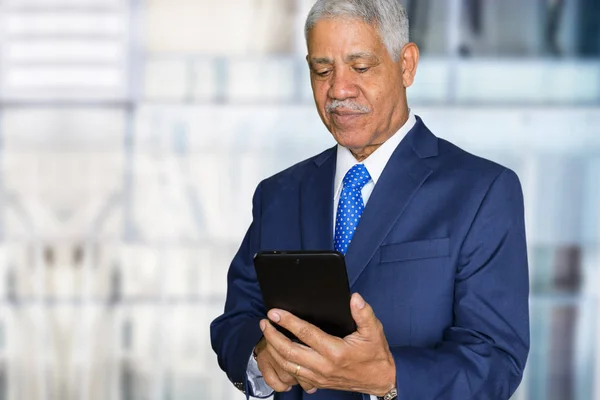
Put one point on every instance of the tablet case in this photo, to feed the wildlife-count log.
(313, 285)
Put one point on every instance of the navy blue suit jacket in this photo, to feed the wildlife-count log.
(439, 254)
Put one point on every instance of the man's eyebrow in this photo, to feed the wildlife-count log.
(363, 54)
(321, 60)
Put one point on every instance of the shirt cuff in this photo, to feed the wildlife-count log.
(256, 380)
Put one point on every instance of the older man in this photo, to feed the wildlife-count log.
(437, 263)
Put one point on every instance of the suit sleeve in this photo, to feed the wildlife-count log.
(235, 333)
(483, 354)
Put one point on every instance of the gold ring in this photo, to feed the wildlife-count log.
(297, 370)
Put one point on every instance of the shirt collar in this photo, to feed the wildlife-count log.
(377, 161)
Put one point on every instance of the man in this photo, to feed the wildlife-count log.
(437, 263)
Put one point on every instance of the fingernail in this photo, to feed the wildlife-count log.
(311, 391)
(273, 316)
(360, 302)
(288, 389)
(263, 325)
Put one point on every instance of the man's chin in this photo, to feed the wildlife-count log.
(351, 140)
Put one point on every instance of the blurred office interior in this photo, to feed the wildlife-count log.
(133, 134)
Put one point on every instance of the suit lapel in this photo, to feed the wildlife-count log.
(316, 203)
(403, 175)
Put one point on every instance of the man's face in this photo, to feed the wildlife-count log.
(358, 88)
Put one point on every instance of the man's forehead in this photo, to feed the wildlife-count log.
(350, 57)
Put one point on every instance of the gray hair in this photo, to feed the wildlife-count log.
(389, 16)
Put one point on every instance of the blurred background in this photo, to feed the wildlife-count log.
(133, 134)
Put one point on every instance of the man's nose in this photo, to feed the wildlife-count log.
(342, 86)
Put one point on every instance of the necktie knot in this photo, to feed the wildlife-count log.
(356, 177)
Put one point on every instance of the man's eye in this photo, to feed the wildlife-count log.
(361, 70)
(323, 73)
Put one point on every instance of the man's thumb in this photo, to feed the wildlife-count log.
(362, 313)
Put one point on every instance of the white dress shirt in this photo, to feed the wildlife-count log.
(375, 163)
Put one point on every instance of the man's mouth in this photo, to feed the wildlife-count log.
(346, 112)
(342, 117)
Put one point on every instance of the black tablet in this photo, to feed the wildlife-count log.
(313, 285)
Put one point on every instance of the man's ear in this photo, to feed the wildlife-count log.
(409, 59)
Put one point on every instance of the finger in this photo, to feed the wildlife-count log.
(288, 367)
(303, 375)
(290, 352)
(307, 386)
(267, 365)
(363, 315)
(309, 334)
(272, 379)
(284, 376)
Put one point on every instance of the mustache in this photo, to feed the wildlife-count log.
(346, 104)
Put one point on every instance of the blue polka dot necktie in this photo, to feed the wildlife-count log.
(350, 207)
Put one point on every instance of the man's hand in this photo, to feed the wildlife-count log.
(273, 374)
(360, 362)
